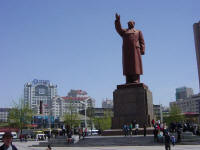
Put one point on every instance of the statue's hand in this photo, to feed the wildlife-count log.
(117, 16)
(141, 52)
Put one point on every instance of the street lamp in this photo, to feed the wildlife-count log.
(85, 103)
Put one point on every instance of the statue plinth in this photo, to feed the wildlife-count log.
(132, 102)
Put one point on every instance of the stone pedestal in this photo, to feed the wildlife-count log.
(132, 102)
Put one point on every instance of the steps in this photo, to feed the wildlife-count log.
(59, 141)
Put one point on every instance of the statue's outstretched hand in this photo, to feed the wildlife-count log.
(117, 16)
(142, 52)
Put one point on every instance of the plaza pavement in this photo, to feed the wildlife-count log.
(107, 143)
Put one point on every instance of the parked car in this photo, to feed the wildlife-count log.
(1, 135)
(14, 134)
(40, 137)
(94, 132)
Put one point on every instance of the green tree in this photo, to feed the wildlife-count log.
(104, 122)
(20, 115)
(174, 115)
(72, 119)
(90, 114)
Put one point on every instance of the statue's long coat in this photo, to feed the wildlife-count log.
(132, 49)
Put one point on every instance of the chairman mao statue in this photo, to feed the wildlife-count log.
(132, 49)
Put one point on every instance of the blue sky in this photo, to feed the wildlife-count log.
(74, 45)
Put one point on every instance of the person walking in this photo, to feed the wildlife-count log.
(145, 130)
(173, 140)
(130, 129)
(167, 142)
(136, 128)
(49, 147)
(155, 132)
(80, 132)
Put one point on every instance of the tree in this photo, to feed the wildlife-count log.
(174, 115)
(90, 114)
(104, 122)
(72, 119)
(20, 115)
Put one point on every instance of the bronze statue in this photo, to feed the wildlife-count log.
(132, 49)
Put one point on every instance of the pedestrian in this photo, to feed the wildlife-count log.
(85, 132)
(145, 130)
(7, 140)
(130, 129)
(48, 147)
(173, 140)
(80, 132)
(136, 128)
(167, 142)
(153, 122)
(69, 137)
(99, 131)
(155, 132)
(125, 129)
(179, 135)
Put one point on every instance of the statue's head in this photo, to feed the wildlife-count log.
(131, 24)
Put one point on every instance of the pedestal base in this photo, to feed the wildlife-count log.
(132, 102)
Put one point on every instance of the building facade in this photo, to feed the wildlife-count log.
(196, 29)
(39, 91)
(157, 112)
(107, 103)
(189, 105)
(4, 112)
(183, 93)
(74, 102)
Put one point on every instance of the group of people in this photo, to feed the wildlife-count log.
(82, 133)
(133, 129)
(160, 129)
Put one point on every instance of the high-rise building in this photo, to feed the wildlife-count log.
(189, 105)
(157, 112)
(39, 91)
(183, 93)
(196, 28)
(4, 114)
(74, 102)
(107, 103)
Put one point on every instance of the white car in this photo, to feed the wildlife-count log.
(94, 132)
(14, 134)
(40, 137)
(1, 135)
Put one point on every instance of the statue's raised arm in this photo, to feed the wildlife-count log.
(118, 25)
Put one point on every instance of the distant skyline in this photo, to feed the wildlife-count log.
(74, 45)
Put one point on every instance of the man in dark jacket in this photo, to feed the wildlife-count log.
(167, 141)
(7, 139)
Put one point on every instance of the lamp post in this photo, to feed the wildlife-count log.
(85, 103)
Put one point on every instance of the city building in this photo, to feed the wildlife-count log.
(196, 28)
(74, 102)
(189, 105)
(39, 91)
(183, 93)
(101, 112)
(107, 103)
(157, 112)
(4, 112)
